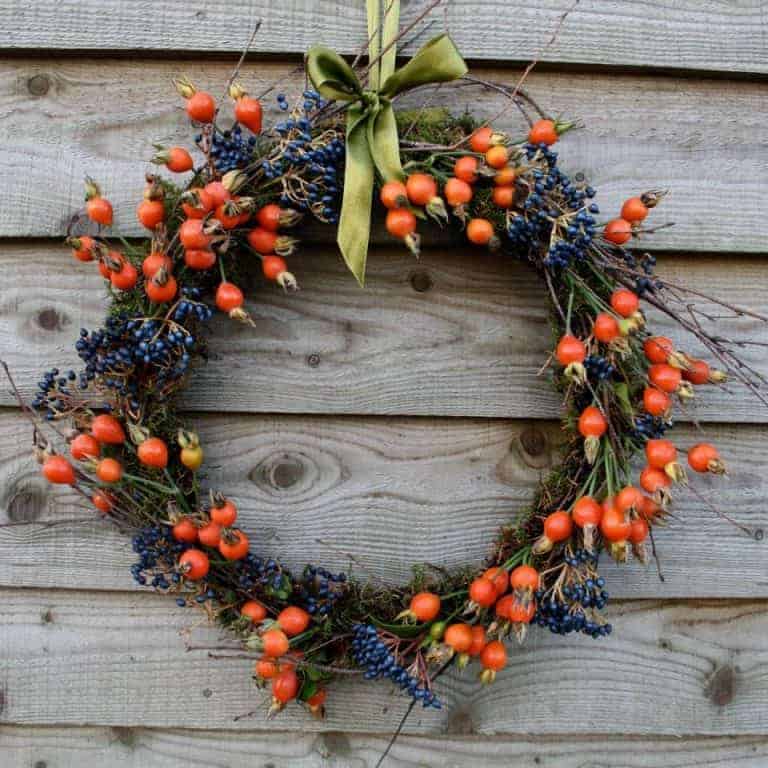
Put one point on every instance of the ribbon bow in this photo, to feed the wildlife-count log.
(372, 143)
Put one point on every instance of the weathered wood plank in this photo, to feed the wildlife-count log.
(113, 659)
(641, 132)
(704, 35)
(26, 746)
(391, 492)
(452, 334)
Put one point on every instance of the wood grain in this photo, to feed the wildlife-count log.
(390, 492)
(704, 35)
(450, 334)
(141, 747)
(83, 658)
(101, 116)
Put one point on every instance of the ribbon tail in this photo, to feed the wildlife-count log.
(384, 142)
(355, 219)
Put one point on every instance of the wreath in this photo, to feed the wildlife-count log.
(242, 197)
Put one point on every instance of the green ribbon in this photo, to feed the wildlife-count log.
(372, 143)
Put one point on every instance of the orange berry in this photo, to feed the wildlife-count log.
(457, 192)
(586, 511)
(497, 156)
(478, 640)
(229, 297)
(201, 107)
(543, 132)
(275, 643)
(273, 266)
(254, 611)
(425, 606)
(704, 457)
(615, 526)
(606, 328)
(84, 446)
(558, 526)
(617, 231)
(656, 402)
(210, 535)
(658, 349)
(458, 637)
(624, 302)
(109, 470)
(224, 514)
(665, 377)
(57, 470)
(248, 113)
(293, 620)
(194, 563)
(494, 656)
(503, 196)
(570, 350)
(421, 188)
(184, 530)
(153, 452)
(107, 429)
(235, 546)
(465, 169)
(150, 213)
(505, 177)
(393, 195)
(634, 210)
(483, 592)
(480, 231)
(592, 423)
(285, 686)
(524, 577)
(481, 139)
(400, 222)
(499, 578)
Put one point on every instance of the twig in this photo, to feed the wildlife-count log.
(751, 532)
(236, 70)
(404, 718)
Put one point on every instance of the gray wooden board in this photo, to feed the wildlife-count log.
(703, 35)
(391, 493)
(102, 115)
(455, 333)
(86, 658)
(95, 747)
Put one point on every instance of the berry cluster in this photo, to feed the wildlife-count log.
(580, 598)
(157, 551)
(255, 572)
(599, 368)
(371, 652)
(319, 589)
(52, 392)
(568, 213)
(309, 166)
(649, 427)
(564, 617)
(230, 150)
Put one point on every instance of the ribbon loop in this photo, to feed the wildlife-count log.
(372, 142)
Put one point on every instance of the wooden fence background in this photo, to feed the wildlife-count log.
(403, 423)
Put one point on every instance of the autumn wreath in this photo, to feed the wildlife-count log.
(244, 192)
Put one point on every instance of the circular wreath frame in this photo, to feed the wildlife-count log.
(138, 464)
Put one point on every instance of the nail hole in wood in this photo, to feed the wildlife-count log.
(313, 360)
(50, 320)
(421, 282)
(534, 441)
(39, 85)
(26, 505)
(721, 687)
